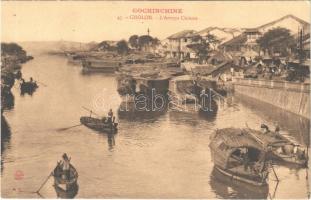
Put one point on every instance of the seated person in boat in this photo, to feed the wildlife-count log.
(265, 129)
(301, 154)
(34, 83)
(66, 165)
(277, 130)
(244, 155)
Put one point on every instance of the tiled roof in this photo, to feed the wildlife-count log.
(236, 40)
(282, 18)
(183, 34)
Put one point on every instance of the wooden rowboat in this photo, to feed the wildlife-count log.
(99, 124)
(238, 156)
(28, 87)
(62, 182)
(103, 66)
(281, 148)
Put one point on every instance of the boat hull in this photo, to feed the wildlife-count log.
(28, 87)
(99, 125)
(63, 183)
(99, 69)
(67, 194)
(65, 186)
(223, 186)
(100, 66)
(239, 178)
(292, 160)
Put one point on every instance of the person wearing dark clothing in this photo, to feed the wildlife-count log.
(245, 158)
(110, 116)
(66, 166)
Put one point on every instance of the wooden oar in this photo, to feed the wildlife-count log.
(47, 178)
(277, 178)
(42, 83)
(91, 111)
(66, 128)
(258, 139)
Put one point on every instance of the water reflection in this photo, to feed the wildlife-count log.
(227, 188)
(141, 116)
(209, 116)
(111, 141)
(5, 137)
(187, 118)
(5, 134)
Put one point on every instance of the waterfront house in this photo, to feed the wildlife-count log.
(221, 34)
(246, 41)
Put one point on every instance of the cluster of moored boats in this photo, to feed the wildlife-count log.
(246, 154)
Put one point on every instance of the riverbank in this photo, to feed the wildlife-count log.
(12, 57)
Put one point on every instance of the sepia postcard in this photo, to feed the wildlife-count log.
(155, 99)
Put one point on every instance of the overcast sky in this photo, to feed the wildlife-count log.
(96, 21)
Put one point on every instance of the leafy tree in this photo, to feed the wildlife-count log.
(122, 47)
(11, 49)
(104, 45)
(133, 41)
(213, 40)
(277, 40)
(201, 49)
(144, 40)
(155, 41)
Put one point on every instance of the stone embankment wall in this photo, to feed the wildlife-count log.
(292, 97)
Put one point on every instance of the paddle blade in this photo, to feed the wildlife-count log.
(66, 128)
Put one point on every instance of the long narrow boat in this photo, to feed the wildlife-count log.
(239, 156)
(100, 66)
(99, 124)
(281, 148)
(65, 184)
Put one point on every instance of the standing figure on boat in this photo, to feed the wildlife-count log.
(110, 117)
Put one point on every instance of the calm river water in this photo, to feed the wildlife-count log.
(163, 156)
